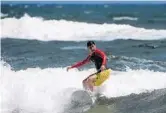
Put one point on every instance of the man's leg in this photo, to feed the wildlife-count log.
(91, 81)
(86, 81)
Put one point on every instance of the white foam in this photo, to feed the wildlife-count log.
(36, 28)
(73, 47)
(88, 12)
(134, 81)
(26, 6)
(106, 6)
(3, 15)
(59, 6)
(125, 18)
(42, 90)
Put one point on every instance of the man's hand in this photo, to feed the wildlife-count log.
(68, 68)
(102, 68)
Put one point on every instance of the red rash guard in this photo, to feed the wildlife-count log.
(98, 57)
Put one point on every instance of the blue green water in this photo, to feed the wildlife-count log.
(121, 53)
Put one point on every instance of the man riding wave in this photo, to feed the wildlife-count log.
(100, 60)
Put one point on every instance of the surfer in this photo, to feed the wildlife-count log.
(100, 60)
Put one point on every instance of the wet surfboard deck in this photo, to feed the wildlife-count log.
(80, 100)
(81, 97)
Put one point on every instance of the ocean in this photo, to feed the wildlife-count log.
(40, 40)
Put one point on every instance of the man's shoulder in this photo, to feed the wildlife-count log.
(98, 50)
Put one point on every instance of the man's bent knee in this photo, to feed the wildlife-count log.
(92, 78)
(84, 81)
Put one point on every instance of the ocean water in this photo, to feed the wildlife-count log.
(39, 41)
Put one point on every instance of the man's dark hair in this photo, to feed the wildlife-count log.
(89, 43)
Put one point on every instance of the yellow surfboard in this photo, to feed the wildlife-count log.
(102, 76)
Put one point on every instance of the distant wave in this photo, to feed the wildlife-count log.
(125, 18)
(73, 47)
(39, 29)
(87, 12)
(59, 6)
(125, 62)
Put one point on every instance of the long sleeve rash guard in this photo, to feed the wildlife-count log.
(98, 57)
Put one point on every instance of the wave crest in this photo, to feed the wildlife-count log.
(39, 29)
(125, 18)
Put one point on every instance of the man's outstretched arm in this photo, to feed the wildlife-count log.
(78, 64)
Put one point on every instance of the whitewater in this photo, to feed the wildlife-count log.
(37, 28)
(48, 90)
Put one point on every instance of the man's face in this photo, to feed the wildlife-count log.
(92, 48)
